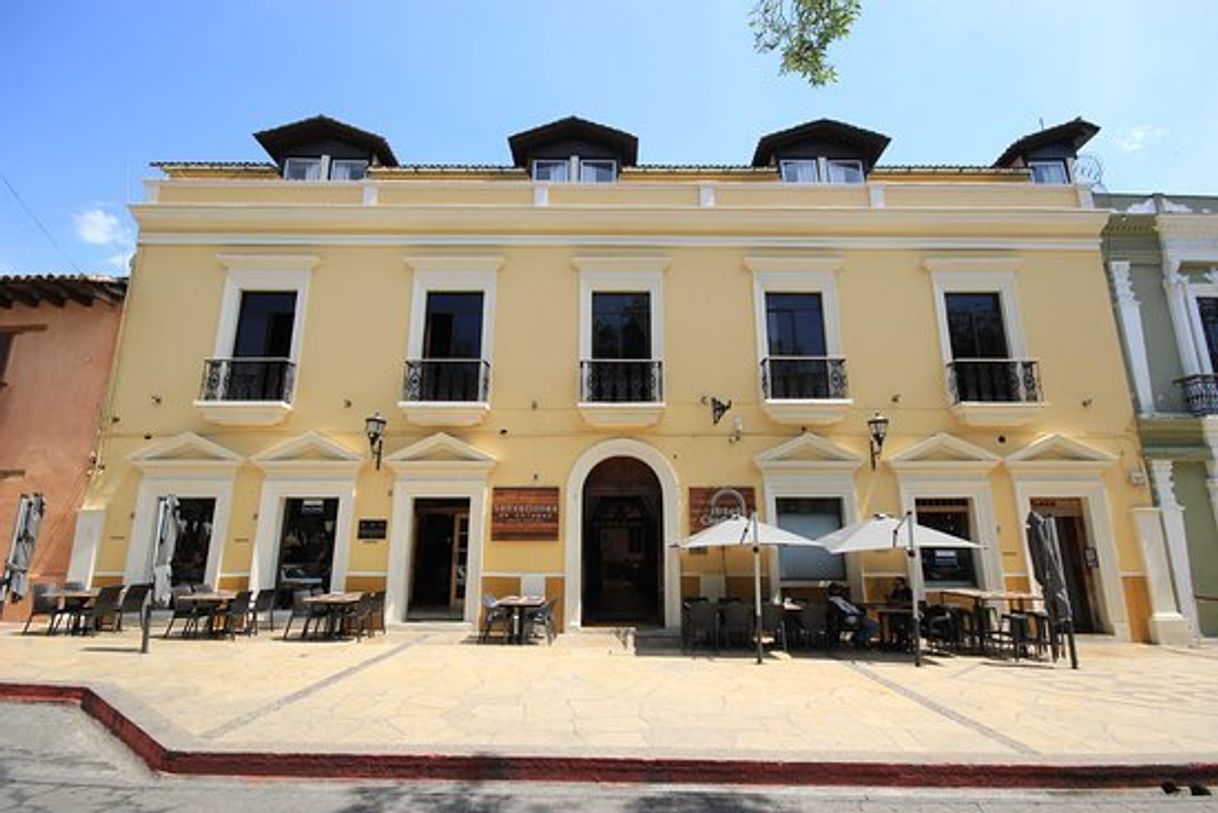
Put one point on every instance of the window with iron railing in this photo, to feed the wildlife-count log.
(452, 368)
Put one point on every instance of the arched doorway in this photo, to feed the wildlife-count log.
(623, 560)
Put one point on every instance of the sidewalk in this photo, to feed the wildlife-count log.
(422, 690)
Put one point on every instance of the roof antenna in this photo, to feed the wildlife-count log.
(1041, 119)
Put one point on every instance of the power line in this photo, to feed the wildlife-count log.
(45, 232)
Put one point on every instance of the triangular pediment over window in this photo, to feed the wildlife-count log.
(310, 451)
(441, 455)
(944, 451)
(807, 451)
(186, 451)
(1058, 452)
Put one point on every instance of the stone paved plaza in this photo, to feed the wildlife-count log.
(431, 690)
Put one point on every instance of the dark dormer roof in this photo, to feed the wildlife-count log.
(574, 136)
(320, 134)
(1061, 141)
(827, 137)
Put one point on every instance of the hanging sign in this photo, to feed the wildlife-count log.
(701, 515)
(524, 513)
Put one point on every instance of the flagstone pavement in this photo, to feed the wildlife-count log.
(431, 689)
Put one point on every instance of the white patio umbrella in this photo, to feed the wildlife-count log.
(21, 554)
(741, 531)
(168, 528)
(882, 532)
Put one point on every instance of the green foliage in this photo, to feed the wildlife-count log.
(802, 31)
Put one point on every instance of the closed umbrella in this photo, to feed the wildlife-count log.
(168, 528)
(17, 568)
(1045, 552)
(882, 532)
(741, 531)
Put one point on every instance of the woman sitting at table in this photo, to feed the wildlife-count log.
(850, 617)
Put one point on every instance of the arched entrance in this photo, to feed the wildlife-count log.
(622, 544)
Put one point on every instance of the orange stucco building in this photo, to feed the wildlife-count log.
(57, 340)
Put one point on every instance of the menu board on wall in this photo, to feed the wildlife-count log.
(524, 513)
(702, 516)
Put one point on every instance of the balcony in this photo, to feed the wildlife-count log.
(618, 393)
(446, 392)
(247, 391)
(805, 389)
(1200, 394)
(995, 392)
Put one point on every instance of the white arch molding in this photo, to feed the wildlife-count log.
(573, 526)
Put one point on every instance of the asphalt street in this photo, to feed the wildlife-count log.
(58, 759)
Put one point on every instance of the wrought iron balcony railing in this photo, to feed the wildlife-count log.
(467, 380)
(804, 378)
(1200, 394)
(638, 381)
(1004, 381)
(248, 379)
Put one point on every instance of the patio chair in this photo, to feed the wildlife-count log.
(542, 617)
(45, 601)
(941, 625)
(264, 603)
(183, 610)
(774, 623)
(493, 614)
(359, 619)
(701, 625)
(304, 611)
(133, 602)
(376, 619)
(736, 626)
(103, 612)
(236, 614)
(813, 624)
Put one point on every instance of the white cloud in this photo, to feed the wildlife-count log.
(1136, 138)
(100, 228)
(121, 261)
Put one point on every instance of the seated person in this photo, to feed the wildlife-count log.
(900, 593)
(901, 596)
(864, 627)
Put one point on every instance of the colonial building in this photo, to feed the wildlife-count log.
(572, 351)
(1162, 255)
(57, 339)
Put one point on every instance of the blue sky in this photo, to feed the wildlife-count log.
(92, 92)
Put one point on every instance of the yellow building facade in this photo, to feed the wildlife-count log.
(548, 343)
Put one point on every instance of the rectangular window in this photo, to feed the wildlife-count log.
(975, 326)
(1049, 172)
(6, 344)
(947, 567)
(621, 325)
(845, 171)
(302, 169)
(801, 171)
(453, 328)
(306, 543)
(348, 170)
(795, 324)
(597, 171)
(264, 326)
(811, 517)
(551, 170)
(1207, 309)
(190, 551)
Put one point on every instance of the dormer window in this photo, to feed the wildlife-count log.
(302, 169)
(845, 171)
(552, 171)
(348, 170)
(597, 171)
(799, 171)
(1049, 172)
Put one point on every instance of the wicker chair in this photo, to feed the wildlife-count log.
(133, 602)
(701, 625)
(264, 603)
(103, 612)
(737, 623)
(45, 601)
(493, 614)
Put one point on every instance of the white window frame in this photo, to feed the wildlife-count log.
(593, 161)
(334, 162)
(832, 163)
(1061, 164)
(623, 275)
(556, 161)
(814, 163)
(322, 168)
(978, 275)
(444, 274)
(1195, 291)
(803, 275)
(257, 273)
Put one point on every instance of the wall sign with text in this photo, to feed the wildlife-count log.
(524, 513)
(702, 517)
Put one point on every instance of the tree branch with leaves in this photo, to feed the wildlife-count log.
(802, 31)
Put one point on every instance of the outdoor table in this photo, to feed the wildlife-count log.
(336, 606)
(519, 605)
(885, 614)
(72, 602)
(1014, 600)
(213, 602)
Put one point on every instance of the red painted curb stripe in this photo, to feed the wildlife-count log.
(490, 767)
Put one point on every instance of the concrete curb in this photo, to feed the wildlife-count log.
(496, 767)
